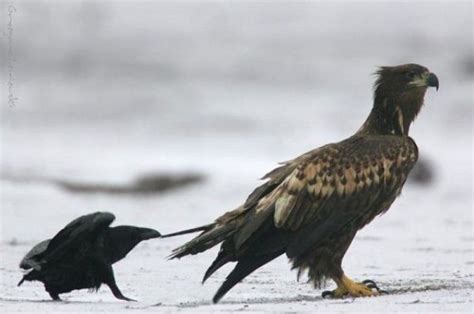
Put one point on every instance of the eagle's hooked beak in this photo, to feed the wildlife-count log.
(432, 80)
(426, 79)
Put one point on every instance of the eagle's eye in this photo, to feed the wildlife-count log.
(411, 74)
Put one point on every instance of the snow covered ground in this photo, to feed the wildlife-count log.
(108, 91)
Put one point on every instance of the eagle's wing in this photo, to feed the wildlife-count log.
(82, 229)
(326, 189)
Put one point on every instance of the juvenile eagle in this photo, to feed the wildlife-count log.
(80, 256)
(312, 206)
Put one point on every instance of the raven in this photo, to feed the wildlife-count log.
(80, 256)
(311, 207)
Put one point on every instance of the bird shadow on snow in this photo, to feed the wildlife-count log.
(62, 302)
(408, 288)
(261, 300)
(28, 300)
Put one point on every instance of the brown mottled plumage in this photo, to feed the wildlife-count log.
(311, 207)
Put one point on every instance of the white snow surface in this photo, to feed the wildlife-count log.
(111, 90)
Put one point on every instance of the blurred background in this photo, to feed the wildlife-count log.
(113, 95)
(167, 113)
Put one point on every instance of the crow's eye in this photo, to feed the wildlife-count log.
(411, 74)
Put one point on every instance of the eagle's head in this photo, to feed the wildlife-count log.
(404, 80)
(398, 97)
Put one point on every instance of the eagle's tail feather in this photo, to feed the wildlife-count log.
(213, 235)
(243, 268)
(221, 259)
(200, 228)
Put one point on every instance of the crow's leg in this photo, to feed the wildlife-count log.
(53, 293)
(117, 293)
(54, 296)
(110, 281)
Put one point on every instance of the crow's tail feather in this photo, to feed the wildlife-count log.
(21, 281)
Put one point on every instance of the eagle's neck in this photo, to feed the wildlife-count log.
(393, 114)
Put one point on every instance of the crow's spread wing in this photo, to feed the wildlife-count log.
(83, 229)
(31, 259)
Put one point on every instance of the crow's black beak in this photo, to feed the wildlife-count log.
(149, 234)
(432, 80)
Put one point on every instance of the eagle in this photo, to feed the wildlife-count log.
(311, 207)
(80, 256)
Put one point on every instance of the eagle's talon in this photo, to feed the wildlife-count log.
(327, 294)
(369, 281)
(371, 284)
(338, 293)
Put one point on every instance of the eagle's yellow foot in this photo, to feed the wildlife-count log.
(348, 287)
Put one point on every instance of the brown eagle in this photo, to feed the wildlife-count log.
(311, 207)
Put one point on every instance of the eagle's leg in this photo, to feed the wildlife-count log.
(348, 287)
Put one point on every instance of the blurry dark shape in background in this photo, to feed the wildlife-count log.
(467, 65)
(423, 173)
(147, 184)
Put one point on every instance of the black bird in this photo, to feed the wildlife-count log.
(311, 207)
(80, 256)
